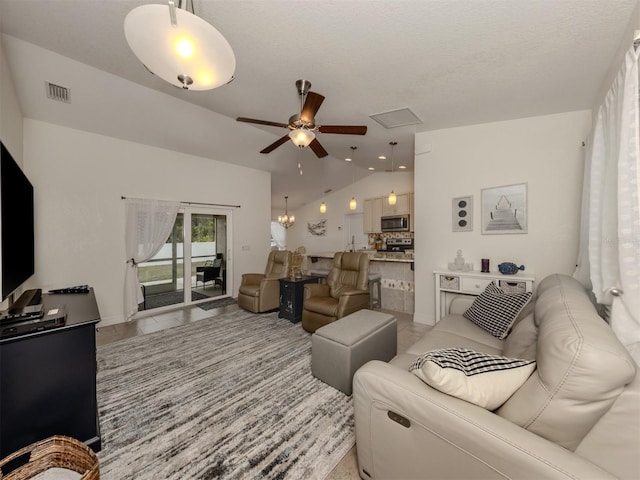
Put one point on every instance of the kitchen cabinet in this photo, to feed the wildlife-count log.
(372, 214)
(402, 206)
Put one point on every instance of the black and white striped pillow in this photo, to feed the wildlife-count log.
(495, 310)
(483, 379)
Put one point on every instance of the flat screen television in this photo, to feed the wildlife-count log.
(16, 225)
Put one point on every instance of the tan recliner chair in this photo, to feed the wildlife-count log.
(346, 291)
(261, 292)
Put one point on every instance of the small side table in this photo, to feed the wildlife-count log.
(291, 297)
(474, 283)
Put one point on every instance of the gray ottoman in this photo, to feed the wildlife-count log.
(343, 346)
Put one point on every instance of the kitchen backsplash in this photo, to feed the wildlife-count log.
(372, 237)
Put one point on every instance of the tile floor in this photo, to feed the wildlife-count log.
(347, 469)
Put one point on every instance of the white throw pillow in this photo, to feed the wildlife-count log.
(495, 310)
(479, 378)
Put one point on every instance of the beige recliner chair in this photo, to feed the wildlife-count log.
(346, 291)
(261, 292)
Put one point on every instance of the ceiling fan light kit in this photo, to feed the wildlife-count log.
(179, 47)
(301, 137)
(303, 126)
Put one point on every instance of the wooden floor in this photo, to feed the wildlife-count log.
(408, 333)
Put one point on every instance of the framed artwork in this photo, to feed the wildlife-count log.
(317, 228)
(504, 210)
(462, 214)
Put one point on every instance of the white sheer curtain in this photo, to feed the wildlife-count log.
(279, 235)
(148, 225)
(609, 257)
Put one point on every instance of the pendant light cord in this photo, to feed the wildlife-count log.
(393, 144)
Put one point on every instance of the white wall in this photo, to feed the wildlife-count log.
(10, 123)
(78, 180)
(376, 185)
(545, 152)
(10, 112)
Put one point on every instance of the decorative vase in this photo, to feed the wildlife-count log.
(508, 268)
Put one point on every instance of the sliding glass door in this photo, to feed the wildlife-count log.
(208, 255)
(192, 266)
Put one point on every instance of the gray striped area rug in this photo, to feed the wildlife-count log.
(229, 397)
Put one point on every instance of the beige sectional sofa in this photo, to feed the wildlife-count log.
(576, 416)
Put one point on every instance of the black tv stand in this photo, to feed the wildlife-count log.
(48, 381)
(28, 298)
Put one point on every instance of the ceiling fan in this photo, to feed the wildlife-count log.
(303, 126)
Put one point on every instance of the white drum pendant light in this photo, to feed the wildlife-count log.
(179, 47)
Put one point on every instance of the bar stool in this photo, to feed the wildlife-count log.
(375, 301)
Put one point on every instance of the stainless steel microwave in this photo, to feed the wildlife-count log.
(395, 223)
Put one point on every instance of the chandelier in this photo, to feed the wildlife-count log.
(286, 220)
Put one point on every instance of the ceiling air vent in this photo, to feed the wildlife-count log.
(56, 92)
(396, 118)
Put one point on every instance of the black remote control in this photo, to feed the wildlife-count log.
(76, 289)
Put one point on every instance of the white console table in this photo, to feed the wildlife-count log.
(474, 283)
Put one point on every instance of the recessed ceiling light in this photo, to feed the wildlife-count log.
(402, 167)
(371, 168)
(347, 159)
(381, 157)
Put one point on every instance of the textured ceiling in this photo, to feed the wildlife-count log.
(453, 62)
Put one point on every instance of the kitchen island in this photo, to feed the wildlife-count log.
(395, 268)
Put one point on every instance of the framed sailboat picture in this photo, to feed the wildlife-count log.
(504, 210)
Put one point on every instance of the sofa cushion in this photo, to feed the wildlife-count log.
(327, 306)
(495, 310)
(479, 378)
(581, 367)
(250, 290)
(456, 331)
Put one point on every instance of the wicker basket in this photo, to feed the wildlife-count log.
(54, 452)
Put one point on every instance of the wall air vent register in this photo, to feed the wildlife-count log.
(58, 93)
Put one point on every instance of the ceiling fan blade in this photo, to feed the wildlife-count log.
(275, 144)
(344, 129)
(318, 149)
(311, 106)
(261, 122)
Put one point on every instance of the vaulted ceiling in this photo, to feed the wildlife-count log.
(452, 62)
